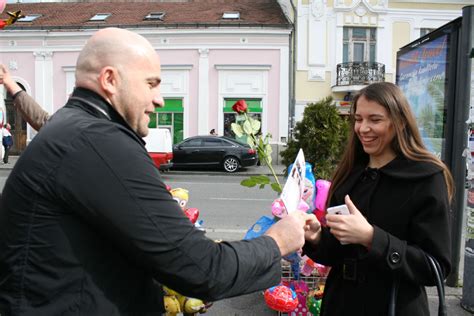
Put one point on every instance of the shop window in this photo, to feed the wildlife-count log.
(171, 117)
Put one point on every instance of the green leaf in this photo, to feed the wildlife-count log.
(255, 125)
(262, 186)
(276, 187)
(247, 127)
(261, 179)
(237, 129)
(248, 183)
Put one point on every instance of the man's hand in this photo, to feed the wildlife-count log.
(289, 232)
(5, 79)
(351, 229)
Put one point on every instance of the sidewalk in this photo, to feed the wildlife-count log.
(254, 304)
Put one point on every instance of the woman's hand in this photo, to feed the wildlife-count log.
(312, 230)
(351, 229)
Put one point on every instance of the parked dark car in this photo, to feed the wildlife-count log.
(213, 151)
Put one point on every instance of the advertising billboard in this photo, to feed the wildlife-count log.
(424, 73)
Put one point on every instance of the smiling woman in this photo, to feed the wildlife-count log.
(213, 152)
(397, 194)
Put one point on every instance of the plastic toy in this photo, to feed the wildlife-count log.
(281, 298)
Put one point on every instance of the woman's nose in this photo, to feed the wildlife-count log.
(364, 127)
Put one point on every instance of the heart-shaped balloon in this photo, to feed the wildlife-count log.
(192, 213)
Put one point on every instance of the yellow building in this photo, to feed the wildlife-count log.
(342, 45)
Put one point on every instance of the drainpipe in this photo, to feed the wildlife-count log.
(293, 72)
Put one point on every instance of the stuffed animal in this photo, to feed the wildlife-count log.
(182, 196)
(176, 303)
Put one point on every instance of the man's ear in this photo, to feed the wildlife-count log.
(108, 80)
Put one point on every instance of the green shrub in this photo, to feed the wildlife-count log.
(322, 134)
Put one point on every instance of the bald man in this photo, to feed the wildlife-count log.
(87, 226)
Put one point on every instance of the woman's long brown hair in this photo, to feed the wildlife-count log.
(407, 143)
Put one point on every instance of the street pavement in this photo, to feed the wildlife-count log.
(254, 304)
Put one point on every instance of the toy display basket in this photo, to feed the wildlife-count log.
(313, 281)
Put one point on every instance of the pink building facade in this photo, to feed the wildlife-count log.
(203, 72)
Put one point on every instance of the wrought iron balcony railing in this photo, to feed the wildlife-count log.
(359, 73)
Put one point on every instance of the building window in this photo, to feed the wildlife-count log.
(359, 44)
(171, 117)
(254, 111)
(29, 18)
(155, 16)
(100, 17)
(424, 31)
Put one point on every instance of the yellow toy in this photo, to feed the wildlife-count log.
(176, 303)
(181, 196)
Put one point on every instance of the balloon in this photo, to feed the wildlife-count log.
(281, 298)
(192, 213)
(314, 305)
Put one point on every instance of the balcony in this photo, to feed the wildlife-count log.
(353, 76)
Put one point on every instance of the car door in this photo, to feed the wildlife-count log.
(185, 153)
(212, 151)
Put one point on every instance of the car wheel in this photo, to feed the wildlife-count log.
(231, 164)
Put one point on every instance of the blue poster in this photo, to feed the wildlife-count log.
(422, 77)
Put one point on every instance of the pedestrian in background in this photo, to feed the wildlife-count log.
(88, 227)
(213, 132)
(398, 195)
(7, 141)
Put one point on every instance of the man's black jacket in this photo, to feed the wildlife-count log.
(87, 227)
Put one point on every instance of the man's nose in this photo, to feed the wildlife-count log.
(158, 101)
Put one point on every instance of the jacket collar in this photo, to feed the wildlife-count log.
(96, 105)
(398, 168)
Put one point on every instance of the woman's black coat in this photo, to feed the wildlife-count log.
(409, 209)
